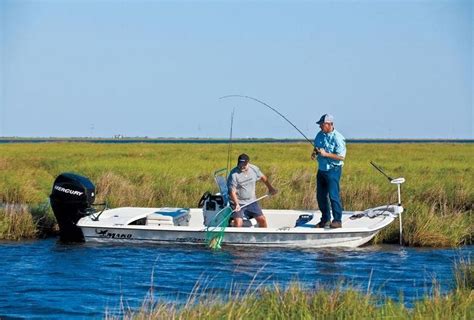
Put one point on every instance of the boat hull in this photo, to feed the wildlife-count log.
(283, 233)
(267, 239)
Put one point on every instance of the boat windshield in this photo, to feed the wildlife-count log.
(221, 180)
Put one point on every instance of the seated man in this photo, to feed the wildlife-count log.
(241, 184)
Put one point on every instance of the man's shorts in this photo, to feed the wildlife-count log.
(251, 211)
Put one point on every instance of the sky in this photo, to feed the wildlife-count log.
(383, 69)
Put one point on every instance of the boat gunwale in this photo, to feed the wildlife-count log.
(242, 230)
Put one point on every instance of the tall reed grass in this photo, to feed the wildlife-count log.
(464, 274)
(438, 195)
(16, 223)
(297, 302)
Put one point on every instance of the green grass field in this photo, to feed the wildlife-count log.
(438, 195)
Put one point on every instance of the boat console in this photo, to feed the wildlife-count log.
(213, 206)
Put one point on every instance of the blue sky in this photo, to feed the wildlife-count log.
(384, 69)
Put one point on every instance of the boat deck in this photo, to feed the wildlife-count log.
(279, 220)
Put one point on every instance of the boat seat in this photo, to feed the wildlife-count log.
(221, 181)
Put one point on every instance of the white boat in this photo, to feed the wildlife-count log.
(286, 228)
(181, 225)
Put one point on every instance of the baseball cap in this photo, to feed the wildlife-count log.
(326, 118)
(243, 158)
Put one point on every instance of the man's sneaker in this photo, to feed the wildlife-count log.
(335, 225)
(322, 224)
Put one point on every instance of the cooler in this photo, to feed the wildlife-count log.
(169, 217)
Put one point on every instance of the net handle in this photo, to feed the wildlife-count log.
(230, 213)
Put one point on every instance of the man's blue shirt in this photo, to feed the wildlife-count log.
(332, 142)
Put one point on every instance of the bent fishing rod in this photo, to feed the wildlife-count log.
(271, 108)
(381, 171)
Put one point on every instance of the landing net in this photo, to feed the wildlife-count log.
(215, 230)
(215, 234)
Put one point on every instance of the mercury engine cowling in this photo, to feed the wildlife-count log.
(71, 199)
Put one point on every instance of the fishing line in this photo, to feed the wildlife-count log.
(271, 108)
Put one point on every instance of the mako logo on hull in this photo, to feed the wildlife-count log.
(104, 233)
(73, 192)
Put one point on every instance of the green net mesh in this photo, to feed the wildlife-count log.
(215, 232)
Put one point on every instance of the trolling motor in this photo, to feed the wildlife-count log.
(71, 199)
(399, 209)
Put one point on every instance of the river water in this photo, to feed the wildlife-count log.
(46, 279)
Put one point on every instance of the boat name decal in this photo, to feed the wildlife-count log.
(112, 235)
(73, 192)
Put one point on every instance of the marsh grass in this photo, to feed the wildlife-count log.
(118, 191)
(296, 302)
(422, 227)
(438, 195)
(16, 223)
(464, 274)
(44, 219)
(19, 221)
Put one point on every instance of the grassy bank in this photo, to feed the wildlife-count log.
(438, 194)
(296, 302)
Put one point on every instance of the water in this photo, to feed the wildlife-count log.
(46, 279)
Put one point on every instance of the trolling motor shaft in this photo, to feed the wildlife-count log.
(398, 182)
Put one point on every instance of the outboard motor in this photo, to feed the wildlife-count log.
(71, 199)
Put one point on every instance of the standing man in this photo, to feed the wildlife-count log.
(330, 150)
(241, 183)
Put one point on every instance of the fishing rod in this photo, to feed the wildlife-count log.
(271, 108)
(230, 141)
(381, 171)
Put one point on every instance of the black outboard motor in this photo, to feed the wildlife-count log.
(71, 199)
